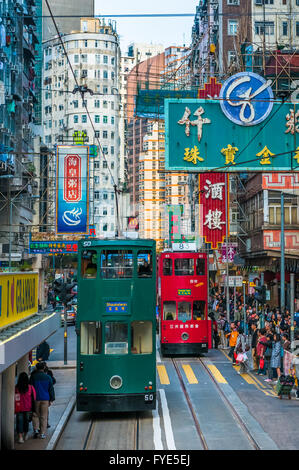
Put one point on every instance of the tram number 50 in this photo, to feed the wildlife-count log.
(148, 398)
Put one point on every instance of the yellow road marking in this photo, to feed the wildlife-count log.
(163, 376)
(218, 376)
(189, 374)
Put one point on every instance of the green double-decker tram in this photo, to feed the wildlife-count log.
(116, 325)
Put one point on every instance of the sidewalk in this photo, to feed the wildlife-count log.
(59, 411)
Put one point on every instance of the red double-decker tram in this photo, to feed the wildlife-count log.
(183, 303)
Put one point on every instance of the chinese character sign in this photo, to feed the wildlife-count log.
(200, 136)
(72, 174)
(212, 187)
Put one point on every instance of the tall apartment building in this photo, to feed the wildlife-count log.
(19, 38)
(67, 16)
(95, 57)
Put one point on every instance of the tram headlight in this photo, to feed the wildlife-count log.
(116, 382)
(185, 336)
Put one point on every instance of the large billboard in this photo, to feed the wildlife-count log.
(72, 189)
(18, 297)
(244, 130)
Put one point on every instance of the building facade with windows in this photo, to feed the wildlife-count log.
(94, 55)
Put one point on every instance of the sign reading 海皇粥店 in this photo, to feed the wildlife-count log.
(72, 172)
(245, 130)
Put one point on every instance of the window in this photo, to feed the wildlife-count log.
(97, 103)
(75, 103)
(169, 310)
(233, 2)
(105, 119)
(98, 58)
(84, 58)
(297, 28)
(90, 338)
(144, 263)
(97, 118)
(76, 118)
(231, 57)
(200, 267)
(267, 26)
(96, 195)
(141, 337)
(167, 267)
(89, 264)
(199, 309)
(116, 264)
(105, 134)
(284, 28)
(184, 267)
(116, 338)
(232, 27)
(105, 59)
(76, 59)
(184, 311)
(84, 118)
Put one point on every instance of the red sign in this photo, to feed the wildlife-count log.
(133, 223)
(72, 178)
(210, 90)
(212, 187)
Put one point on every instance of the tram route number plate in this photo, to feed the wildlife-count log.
(148, 398)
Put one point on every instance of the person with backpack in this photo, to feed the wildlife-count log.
(45, 395)
(24, 401)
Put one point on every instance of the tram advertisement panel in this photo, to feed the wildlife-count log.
(72, 189)
(18, 297)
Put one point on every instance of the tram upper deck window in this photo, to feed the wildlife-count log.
(200, 267)
(116, 264)
(199, 309)
(167, 267)
(184, 267)
(89, 264)
(144, 263)
(142, 339)
(169, 310)
(90, 338)
(116, 338)
(184, 311)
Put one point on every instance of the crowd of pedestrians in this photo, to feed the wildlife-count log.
(265, 335)
(34, 394)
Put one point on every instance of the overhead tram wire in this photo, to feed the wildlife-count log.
(116, 190)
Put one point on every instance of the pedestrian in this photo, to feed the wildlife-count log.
(45, 395)
(254, 339)
(276, 356)
(232, 335)
(222, 324)
(286, 343)
(24, 402)
(50, 374)
(43, 351)
(260, 349)
(241, 348)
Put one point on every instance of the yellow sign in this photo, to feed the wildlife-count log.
(18, 297)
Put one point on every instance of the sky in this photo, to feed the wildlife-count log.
(166, 31)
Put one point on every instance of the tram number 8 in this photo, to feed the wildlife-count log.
(149, 397)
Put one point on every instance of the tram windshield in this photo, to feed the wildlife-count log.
(184, 267)
(144, 263)
(167, 267)
(116, 338)
(116, 264)
(184, 311)
(89, 264)
(141, 334)
(199, 307)
(169, 310)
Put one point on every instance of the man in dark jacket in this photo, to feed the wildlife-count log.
(43, 351)
(44, 397)
(254, 339)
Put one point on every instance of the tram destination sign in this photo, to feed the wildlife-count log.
(201, 135)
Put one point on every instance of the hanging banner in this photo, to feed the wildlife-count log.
(72, 189)
(212, 187)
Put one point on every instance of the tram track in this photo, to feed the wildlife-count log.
(234, 412)
(230, 407)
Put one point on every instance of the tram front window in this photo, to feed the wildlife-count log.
(199, 310)
(169, 310)
(116, 338)
(116, 264)
(89, 264)
(184, 311)
(141, 334)
(90, 338)
(167, 267)
(144, 263)
(184, 267)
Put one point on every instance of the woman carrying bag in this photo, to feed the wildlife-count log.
(24, 403)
